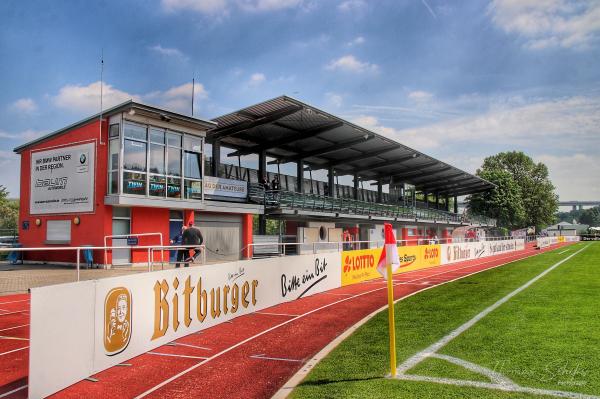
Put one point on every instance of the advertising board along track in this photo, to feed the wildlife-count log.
(86, 327)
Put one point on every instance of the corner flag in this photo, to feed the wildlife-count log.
(389, 255)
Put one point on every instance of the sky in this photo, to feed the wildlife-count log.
(456, 80)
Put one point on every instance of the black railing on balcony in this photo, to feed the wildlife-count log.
(282, 199)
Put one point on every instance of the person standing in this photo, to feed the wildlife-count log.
(192, 239)
(180, 252)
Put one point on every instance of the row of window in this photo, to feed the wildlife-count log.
(155, 162)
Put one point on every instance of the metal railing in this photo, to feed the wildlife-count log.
(113, 236)
(274, 199)
(149, 248)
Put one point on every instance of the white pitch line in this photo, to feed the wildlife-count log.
(566, 250)
(12, 328)
(5, 394)
(174, 355)
(14, 350)
(191, 368)
(433, 348)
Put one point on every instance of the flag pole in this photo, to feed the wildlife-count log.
(392, 327)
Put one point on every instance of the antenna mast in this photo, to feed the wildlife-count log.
(101, 94)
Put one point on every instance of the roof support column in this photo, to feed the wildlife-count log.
(300, 176)
(379, 192)
(437, 201)
(426, 197)
(216, 157)
(447, 203)
(262, 165)
(356, 186)
(331, 182)
(455, 204)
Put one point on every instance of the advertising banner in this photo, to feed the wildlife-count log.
(62, 180)
(219, 187)
(458, 252)
(543, 242)
(361, 265)
(83, 328)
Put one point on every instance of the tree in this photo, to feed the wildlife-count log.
(504, 203)
(9, 210)
(591, 217)
(535, 194)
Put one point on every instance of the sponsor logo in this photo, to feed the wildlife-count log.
(117, 320)
(53, 183)
(358, 262)
(82, 159)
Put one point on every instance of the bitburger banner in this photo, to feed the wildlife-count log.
(106, 322)
(62, 180)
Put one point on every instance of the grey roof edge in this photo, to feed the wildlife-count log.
(129, 103)
(359, 128)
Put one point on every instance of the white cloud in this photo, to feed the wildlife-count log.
(168, 52)
(9, 176)
(549, 23)
(267, 5)
(24, 106)
(216, 7)
(25, 135)
(334, 99)
(574, 175)
(349, 63)
(209, 7)
(372, 123)
(87, 98)
(256, 79)
(567, 123)
(420, 96)
(352, 5)
(356, 41)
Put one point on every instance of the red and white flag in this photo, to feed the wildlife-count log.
(389, 255)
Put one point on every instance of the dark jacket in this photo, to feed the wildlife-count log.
(192, 236)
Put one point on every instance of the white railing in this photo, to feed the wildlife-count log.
(113, 236)
(150, 249)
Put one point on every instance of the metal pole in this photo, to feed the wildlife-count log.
(77, 264)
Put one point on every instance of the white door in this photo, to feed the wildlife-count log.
(120, 256)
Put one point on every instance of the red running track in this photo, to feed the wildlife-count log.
(251, 356)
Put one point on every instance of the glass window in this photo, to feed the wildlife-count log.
(173, 187)
(192, 165)
(193, 189)
(157, 186)
(191, 143)
(174, 167)
(136, 132)
(114, 155)
(174, 139)
(157, 136)
(134, 183)
(134, 156)
(113, 131)
(113, 182)
(157, 159)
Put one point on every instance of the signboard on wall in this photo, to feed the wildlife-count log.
(62, 180)
(219, 187)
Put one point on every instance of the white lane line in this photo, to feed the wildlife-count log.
(12, 328)
(277, 314)
(283, 359)
(14, 350)
(5, 394)
(433, 348)
(18, 311)
(191, 346)
(22, 300)
(191, 368)
(174, 355)
(17, 338)
(333, 293)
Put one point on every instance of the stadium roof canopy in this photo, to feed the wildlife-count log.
(289, 130)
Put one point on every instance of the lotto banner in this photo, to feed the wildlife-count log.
(361, 265)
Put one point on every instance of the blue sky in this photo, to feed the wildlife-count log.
(457, 80)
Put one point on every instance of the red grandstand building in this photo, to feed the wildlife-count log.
(133, 175)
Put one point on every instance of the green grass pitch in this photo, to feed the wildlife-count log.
(547, 336)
